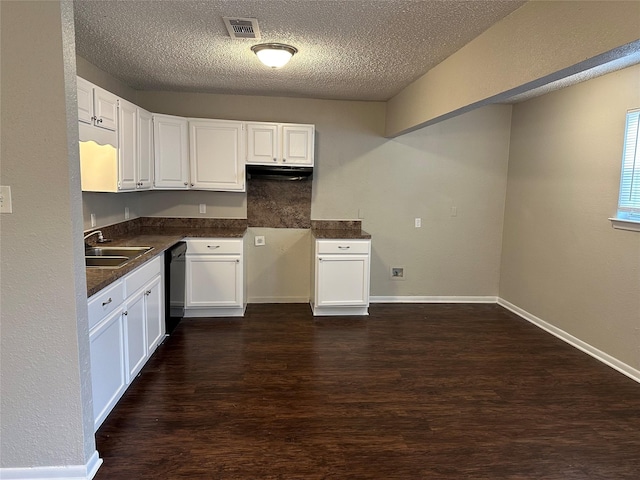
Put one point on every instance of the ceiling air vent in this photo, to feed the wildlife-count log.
(242, 27)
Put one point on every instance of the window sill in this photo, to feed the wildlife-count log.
(625, 224)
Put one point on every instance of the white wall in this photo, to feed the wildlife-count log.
(45, 379)
(562, 261)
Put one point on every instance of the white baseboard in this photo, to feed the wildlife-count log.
(433, 299)
(605, 358)
(278, 300)
(68, 472)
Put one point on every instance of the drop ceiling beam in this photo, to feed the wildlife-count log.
(539, 43)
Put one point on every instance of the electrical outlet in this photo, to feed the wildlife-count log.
(203, 208)
(454, 211)
(93, 220)
(418, 222)
(260, 241)
(397, 273)
(5, 200)
(126, 213)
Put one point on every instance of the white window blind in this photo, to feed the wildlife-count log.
(629, 201)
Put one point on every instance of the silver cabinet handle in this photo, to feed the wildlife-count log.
(213, 246)
(147, 293)
(99, 120)
(125, 313)
(192, 184)
(107, 302)
(344, 248)
(274, 159)
(186, 184)
(284, 160)
(237, 261)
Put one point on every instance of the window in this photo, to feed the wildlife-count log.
(629, 200)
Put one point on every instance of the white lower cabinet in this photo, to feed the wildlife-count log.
(340, 278)
(108, 381)
(134, 321)
(126, 322)
(215, 278)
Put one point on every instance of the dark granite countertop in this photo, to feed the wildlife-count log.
(99, 278)
(339, 230)
(160, 234)
(340, 234)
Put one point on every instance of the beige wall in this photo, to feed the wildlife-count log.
(388, 182)
(562, 261)
(540, 42)
(45, 378)
(90, 72)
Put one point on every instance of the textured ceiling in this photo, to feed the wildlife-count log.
(348, 49)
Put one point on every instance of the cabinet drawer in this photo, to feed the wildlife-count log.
(104, 302)
(343, 246)
(214, 246)
(145, 273)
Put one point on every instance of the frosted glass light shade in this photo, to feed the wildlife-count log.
(274, 55)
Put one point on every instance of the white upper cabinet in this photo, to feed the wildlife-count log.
(280, 143)
(127, 145)
(105, 109)
(144, 179)
(297, 144)
(171, 152)
(216, 155)
(96, 106)
(263, 146)
(85, 101)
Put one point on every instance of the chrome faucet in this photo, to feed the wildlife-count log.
(95, 232)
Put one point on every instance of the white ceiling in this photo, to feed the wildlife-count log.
(348, 49)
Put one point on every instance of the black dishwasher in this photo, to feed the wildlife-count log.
(174, 289)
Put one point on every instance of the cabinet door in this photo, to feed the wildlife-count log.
(214, 281)
(107, 365)
(297, 144)
(135, 338)
(85, 101)
(216, 155)
(145, 150)
(154, 314)
(342, 280)
(127, 145)
(171, 152)
(262, 143)
(105, 108)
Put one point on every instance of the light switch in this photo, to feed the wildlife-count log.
(259, 241)
(5, 199)
(418, 222)
(203, 208)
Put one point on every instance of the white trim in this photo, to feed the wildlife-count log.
(294, 299)
(605, 358)
(69, 472)
(432, 299)
(206, 312)
(625, 224)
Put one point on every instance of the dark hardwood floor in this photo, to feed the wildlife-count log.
(410, 392)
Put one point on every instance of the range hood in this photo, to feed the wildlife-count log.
(279, 172)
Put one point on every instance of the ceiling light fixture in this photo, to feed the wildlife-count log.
(274, 55)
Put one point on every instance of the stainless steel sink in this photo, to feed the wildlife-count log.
(129, 252)
(112, 257)
(106, 262)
